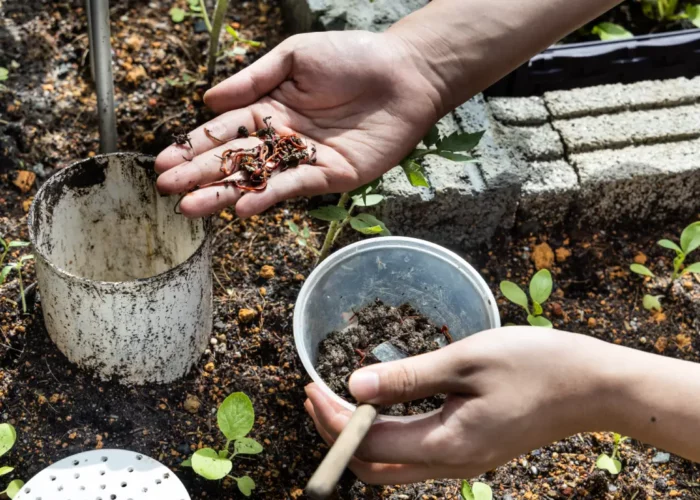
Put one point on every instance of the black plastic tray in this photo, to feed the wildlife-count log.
(563, 67)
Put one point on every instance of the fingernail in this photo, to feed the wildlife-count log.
(364, 385)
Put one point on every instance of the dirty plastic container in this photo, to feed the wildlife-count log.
(125, 282)
(434, 280)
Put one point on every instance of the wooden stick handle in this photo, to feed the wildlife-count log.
(324, 480)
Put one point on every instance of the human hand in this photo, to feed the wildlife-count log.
(357, 96)
(509, 391)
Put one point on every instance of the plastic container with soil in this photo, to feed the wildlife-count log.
(395, 270)
(124, 281)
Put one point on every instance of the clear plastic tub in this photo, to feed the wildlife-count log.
(434, 280)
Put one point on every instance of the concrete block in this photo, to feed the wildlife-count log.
(549, 192)
(619, 97)
(538, 143)
(331, 15)
(639, 183)
(519, 110)
(630, 128)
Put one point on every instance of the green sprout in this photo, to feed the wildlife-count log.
(238, 39)
(661, 10)
(611, 31)
(4, 74)
(652, 302)
(452, 147)
(235, 419)
(540, 290)
(477, 491)
(689, 242)
(611, 463)
(7, 245)
(184, 80)
(303, 235)
(8, 437)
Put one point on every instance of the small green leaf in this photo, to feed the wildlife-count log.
(515, 294)
(609, 464)
(24, 258)
(640, 269)
(692, 268)
(236, 416)
(536, 308)
(693, 14)
(223, 454)
(15, 244)
(482, 491)
(432, 137)
(460, 142)
(670, 245)
(193, 3)
(13, 488)
(232, 32)
(207, 463)
(5, 271)
(4, 74)
(539, 321)
(306, 233)
(329, 213)
(454, 156)
(368, 201)
(541, 286)
(6, 470)
(246, 485)
(414, 173)
(366, 188)
(611, 31)
(177, 14)
(247, 446)
(369, 224)
(301, 242)
(689, 236)
(4, 244)
(186, 463)
(466, 491)
(171, 82)
(651, 302)
(195, 8)
(293, 227)
(8, 436)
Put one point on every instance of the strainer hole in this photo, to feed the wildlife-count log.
(76, 462)
(124, 484)
(60, 488)
(158, 481)
(145, 490)
(104, 459)
(76, 475)
(27, 490)
(131, 469)
(102, 473)
(103, 486)
(139, 457)
(53, 478)
(112, 497)
(166, 475)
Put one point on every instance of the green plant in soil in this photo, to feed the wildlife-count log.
(477, 491)
(17, 266)
(303, 235)
(652, 303)
(4, 74)
(689, 242)
(611, 31)
(7, 246)
(540, 289)
(184, 80)
(452, 147)
(661, 10)
(611, 463)
(8, 436)
(235, 419)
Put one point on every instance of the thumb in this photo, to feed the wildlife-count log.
(409, 379)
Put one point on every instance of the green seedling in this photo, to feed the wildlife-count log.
(692, 14)
(303, 235)
(195, 8)
(540, 289)
(661, 10)
(689, 242)
(4, 74)
(17, 266)
(7, 246)
(452, 147)
(477, 491)
(8, 437)
(652, 303)
(238, 39)
(611, 463)
(185, 79)
(235, 419)
(611, 31)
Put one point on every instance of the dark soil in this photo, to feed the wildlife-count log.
(48, 120)
(629, 15)
(344, 351)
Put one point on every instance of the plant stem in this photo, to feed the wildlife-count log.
(21, 288)
(219, 14)
(4, 254)
(343, 224)
(332, 231)
(205, 15)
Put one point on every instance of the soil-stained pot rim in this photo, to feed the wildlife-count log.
(140, 160)
(367, 245)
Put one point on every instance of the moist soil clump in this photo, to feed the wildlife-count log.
(344, 351)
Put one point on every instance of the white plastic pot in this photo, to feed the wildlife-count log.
(125, 282)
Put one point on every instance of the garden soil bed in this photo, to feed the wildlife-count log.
(344, 351)
(48, 121)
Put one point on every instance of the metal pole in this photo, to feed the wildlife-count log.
(91, 39)
(104, 84)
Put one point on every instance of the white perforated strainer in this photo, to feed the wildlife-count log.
(105, 475)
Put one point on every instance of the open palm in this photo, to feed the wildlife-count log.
(356, 95)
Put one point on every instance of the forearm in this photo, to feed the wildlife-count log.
(463, 46)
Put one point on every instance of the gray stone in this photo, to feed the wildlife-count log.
(618, 97)
(519, 110)
(377, 16)
(535, 143)
(661, 458)
(549, 192)
(630, 128)
(639, 183)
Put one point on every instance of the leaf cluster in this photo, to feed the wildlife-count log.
(611, 463)
(194, 9)
(8, 437)
(689, 242)
(477, 491)
(235, 418)
(540, 289)
(658, 10)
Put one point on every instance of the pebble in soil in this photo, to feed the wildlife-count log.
(344, 351)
